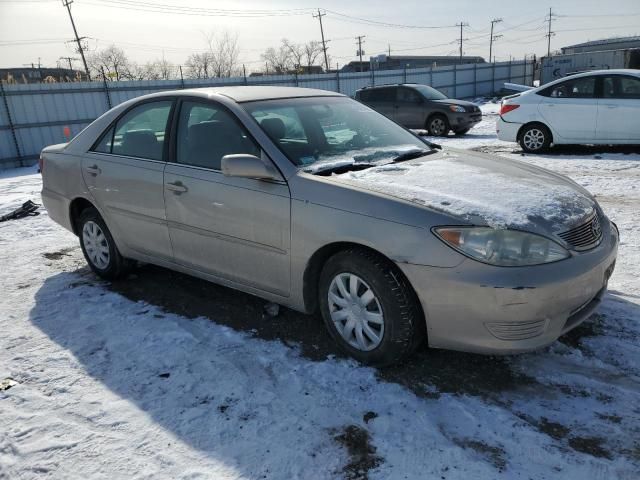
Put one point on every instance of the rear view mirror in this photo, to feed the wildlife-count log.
(244, 165)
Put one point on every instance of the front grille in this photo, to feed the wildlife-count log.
(584, 236)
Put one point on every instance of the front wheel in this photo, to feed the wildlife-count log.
(438, 126)
(369, 308)
(535, 138)
(98, 247)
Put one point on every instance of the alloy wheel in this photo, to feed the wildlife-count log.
(533, 139)
(438, 126)
(356, 312)
(96, 245)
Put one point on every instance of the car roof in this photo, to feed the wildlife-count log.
(250, 93)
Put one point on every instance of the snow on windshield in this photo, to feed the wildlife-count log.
(468, 189)
(359, 155)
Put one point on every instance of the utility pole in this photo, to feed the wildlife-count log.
(324, 43)
(69, 59)
(461, 25)
(360, 52)
(67, 3)
(389, 46)
(493, 37)
(550, 34)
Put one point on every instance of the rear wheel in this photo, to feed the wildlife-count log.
(438, 126)
(98, 247)
(535, 138)
(369, 308)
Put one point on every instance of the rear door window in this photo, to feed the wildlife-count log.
(621, 87)
(141, 131)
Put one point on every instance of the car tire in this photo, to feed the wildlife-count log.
(382, 323)
(464, 131)
(534, 138)
(99, 248)
(438, 126)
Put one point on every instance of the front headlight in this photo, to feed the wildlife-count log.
(457, 108)
(506, 248)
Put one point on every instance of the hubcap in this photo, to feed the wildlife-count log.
(356, 312)
(96, 245)
(437, 126)
(533, 139)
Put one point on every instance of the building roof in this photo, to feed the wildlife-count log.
(604, 41)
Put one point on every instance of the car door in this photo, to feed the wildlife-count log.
(382, 100)
(619, 109)
(409, 108)
(570, 108)
(124, 172)
(237, 229)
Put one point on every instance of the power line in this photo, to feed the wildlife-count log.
(67, 3)
(324, 44)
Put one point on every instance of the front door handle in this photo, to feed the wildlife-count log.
(176, 187)
(612, 106)
(93, 170)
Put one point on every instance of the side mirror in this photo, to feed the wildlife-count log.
(245, 165)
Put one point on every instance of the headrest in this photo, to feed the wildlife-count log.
(274, 127)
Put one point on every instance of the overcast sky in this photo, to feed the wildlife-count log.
(37, 29)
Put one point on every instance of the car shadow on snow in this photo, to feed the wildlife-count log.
(567, 150)
(428, 374)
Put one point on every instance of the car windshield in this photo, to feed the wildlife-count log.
(430, 93)
(318, 133)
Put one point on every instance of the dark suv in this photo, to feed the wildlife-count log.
(419, 106)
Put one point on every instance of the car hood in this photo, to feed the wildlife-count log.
(453, 101)
(481, 189)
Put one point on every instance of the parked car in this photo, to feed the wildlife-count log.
(313, 201)
(420, 106)
(599, 107)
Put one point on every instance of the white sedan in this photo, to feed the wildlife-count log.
(598, 107)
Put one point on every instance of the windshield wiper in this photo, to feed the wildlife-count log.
(342, 168)
(411, 155)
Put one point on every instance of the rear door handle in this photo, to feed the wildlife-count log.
(176, 187)
(93, 170)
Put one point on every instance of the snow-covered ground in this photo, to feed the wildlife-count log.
(96, 383)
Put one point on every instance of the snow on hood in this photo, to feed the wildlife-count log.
(502, 193)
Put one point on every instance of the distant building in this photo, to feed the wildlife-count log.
(40, 75)
(602, 45)
(399, 62)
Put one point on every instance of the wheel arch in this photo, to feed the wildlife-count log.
(529, 124)
(76, 207)
(314, 266)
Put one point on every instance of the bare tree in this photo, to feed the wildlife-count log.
(312, 51)
(113, 62)
(198, 65)
(296, 52)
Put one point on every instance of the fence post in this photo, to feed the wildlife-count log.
(181, 77)
(106, 89)
(296, 74)
(338, 80)
(405, 74)
(475, 79)
(431, 76)
(493, 78)
(524, 70)
(455, 81)
(244, 74)
(509, 69)
(11, 125)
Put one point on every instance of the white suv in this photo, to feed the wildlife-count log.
(598, 107)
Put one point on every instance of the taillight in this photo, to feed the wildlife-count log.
(40, 164)
(507, 107)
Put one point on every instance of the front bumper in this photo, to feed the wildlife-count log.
(463, 121)
(495, 310)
